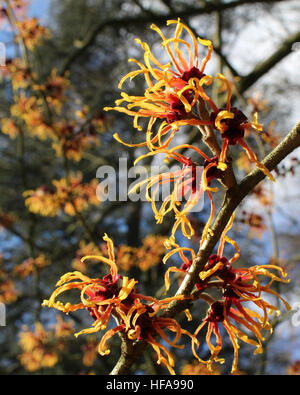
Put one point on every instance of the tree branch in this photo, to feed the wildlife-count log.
(233, 198)
(138, 20)
(265, 66)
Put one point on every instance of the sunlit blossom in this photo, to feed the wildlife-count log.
(115, 295)
(30, 111)
(29, 266)
(19, 73)
(172, 89)
(42, 348)
(188, 183)
(239, 286)
(70, 195)
(9, 127)
(71, 140)
(8, 289)
(232, 123)
(54, 90)
(199, 369)
(38, 348)
(31, 32)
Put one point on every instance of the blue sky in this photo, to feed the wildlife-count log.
(39, 8)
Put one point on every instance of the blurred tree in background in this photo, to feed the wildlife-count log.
(61, 70)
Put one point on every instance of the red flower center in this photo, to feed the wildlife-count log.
(213, 172)
(216, 312)
(233, 128)
(192, 73)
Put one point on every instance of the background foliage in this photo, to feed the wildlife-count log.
(88, 44)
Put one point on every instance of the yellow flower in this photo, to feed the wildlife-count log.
(38, 349)
(8, 291)
(232, 124)
(29, 265)
(239, 286)
(199, 369)
(30, 110)
(106, 296)
(72, 196)
(149, 254)
(89, 351)
(9, 127)
(172, 89)
(189, 184)
(54, 90)
(20, 74)
(32, 32)
(63, 328)
(71, 140)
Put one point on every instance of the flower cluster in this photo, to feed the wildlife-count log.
(70, 195)
(38, 107)
(198, 369)
(9, 127)
(116, 296)
(19, 8)
(30, 111)
(7, 220)
(144, 257)
(54, 90)
(19, 73)
(31, 32)
(175, 93)
(71, 140)
(89, 351)
(239, 287)
(150, 252)
(39, 101)
(41, 348)
(8, 289)
(29, 266)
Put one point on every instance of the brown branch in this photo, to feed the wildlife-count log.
(265, 66)
(130, 353)
(139, 20)
(233, 198)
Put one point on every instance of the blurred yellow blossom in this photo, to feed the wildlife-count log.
(200, 369)
(31, 32)
(72, 196)
(30, 265)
